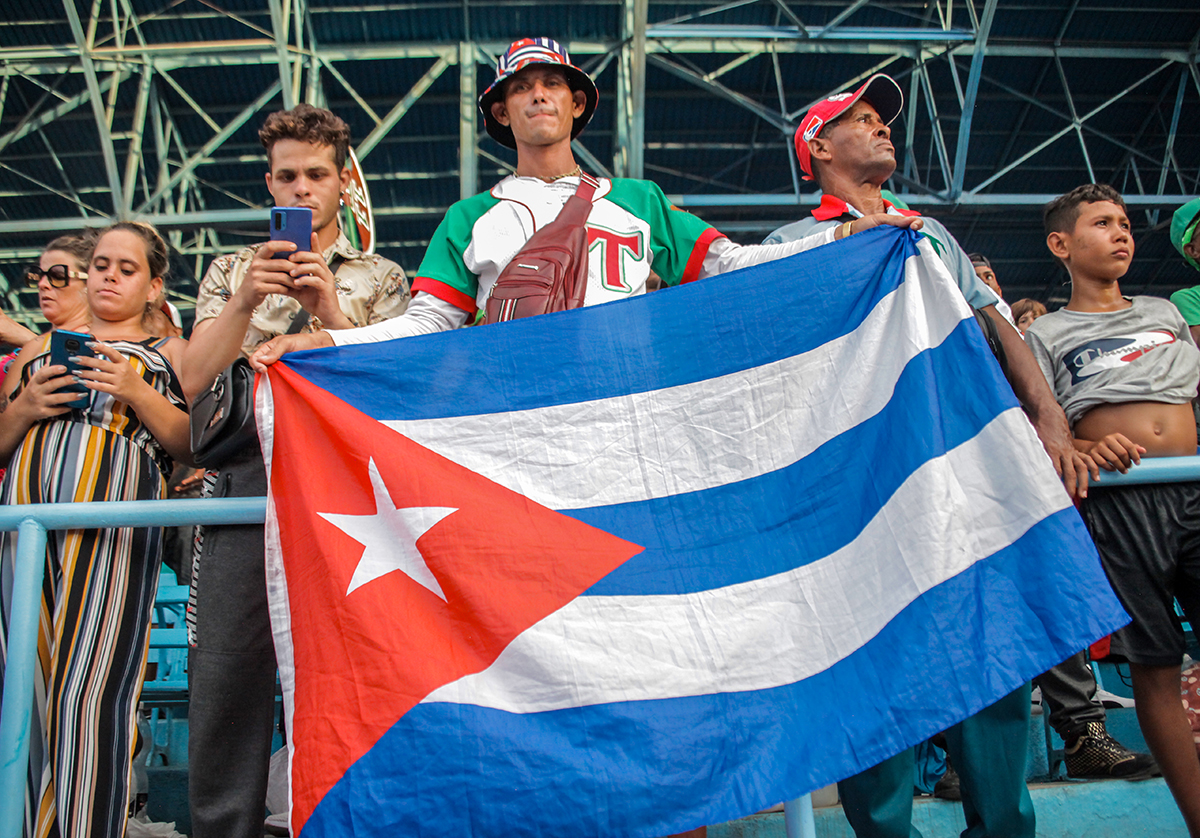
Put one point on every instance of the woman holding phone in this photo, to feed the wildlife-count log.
(60, 277)
(100, 583)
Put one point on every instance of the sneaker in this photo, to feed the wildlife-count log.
(947, 787)
(1112, 701)
(1094, 754)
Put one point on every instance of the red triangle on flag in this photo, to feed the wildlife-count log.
(364, 658)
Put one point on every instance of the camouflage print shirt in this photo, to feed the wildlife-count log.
(369, 287)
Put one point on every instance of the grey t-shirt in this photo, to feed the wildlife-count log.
(976, 293)
(1141, 353)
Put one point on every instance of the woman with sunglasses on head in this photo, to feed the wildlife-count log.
(100, 583)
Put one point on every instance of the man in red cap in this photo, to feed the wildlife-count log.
(538, 103)
(844, 144)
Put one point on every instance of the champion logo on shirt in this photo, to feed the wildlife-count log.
(1109, 353)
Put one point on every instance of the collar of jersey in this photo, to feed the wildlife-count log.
(832, 207)
(522, 189)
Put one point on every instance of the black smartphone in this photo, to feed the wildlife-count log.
(292, 224)
(63, 346)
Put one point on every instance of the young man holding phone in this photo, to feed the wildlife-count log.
(245, 299)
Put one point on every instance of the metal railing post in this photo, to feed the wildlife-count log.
(17, 709)
(31, 521)
(798, 818)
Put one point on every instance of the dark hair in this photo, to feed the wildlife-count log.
(157, 255)
(308, 125)
(1060, 215)
(979, 259)
(79, 245)
(1022, 307)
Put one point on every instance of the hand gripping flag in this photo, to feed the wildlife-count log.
(649, 565)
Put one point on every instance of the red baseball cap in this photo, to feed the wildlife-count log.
(881, 91)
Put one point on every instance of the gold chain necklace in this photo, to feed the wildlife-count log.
(578, 170)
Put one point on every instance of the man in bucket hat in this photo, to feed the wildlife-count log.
(844, 144)
(538, 103)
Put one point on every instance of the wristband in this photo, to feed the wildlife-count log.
(846, 232)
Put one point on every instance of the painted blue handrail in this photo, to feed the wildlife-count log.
(31, 521)
(1154, 470)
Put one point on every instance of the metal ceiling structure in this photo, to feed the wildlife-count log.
(149, 109)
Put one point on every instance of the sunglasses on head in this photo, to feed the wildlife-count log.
(58, 275)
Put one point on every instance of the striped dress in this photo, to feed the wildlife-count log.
(96, 602)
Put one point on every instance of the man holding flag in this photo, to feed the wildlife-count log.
(844, 143)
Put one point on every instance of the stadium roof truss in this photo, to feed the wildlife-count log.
(118, 109)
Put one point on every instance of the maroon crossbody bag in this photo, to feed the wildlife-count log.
(550, 273)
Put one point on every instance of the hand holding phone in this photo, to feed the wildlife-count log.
(65, 345)
(292, 224)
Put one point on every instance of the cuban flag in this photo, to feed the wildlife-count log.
(659, 563)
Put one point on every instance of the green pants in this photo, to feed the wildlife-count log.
(988, 751)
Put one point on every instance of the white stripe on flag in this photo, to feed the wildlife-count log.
(949, 514)
(710, 433)
(277, 590)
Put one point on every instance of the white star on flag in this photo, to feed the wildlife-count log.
(389, 537)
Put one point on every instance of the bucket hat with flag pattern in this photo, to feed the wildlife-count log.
(517, 57)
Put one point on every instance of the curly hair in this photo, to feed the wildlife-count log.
(78, 245)
(308, 125)
(157, 255)
(1060, 215)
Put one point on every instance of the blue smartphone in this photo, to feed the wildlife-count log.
(292, 224)
(63, 346)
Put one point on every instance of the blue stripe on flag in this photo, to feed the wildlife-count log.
(638, 345)
(647, 768)
(793, 516)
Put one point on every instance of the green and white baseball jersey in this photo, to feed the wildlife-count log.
(632, 229)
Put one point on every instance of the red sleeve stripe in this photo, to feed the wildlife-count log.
(445, 293)
(696, 260)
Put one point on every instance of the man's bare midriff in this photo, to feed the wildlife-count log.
(1164, 430)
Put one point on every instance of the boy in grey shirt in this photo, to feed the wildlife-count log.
(1125, 370)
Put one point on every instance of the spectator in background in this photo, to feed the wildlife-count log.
(1126, 370)
(1025, 311)
(1185, 235)
(244, 299)
(983, 270)
(60, 277)
(13, 333)
(163, 319)
(100, 583)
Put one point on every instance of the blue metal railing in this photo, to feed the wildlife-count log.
(32, 521)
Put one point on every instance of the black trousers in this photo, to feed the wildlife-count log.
(1069, 694)
(231, 671)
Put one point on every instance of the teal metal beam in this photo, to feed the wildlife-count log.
(102, 128)
(969, 98)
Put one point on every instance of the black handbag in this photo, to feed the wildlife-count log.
(222, 417)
